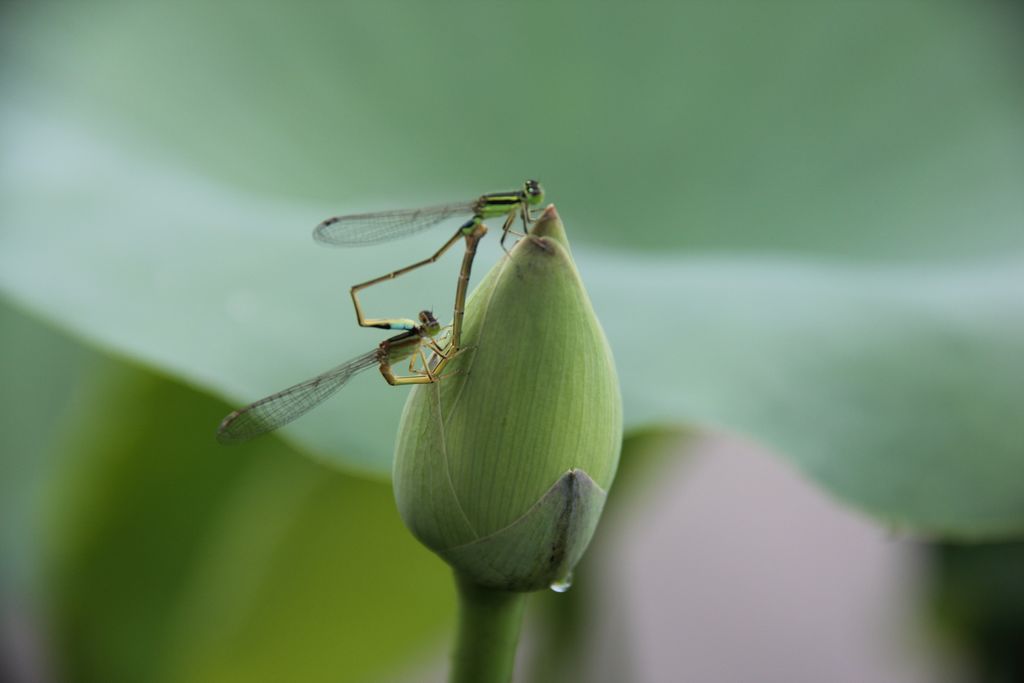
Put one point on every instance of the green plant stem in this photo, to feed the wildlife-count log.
(488, 631)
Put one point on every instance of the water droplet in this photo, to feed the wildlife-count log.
(563, 584)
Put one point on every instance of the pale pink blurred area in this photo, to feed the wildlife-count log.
(734, 568)
(22, 655)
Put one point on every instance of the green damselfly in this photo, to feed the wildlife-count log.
(383, 226)
(373, 228)
(280, 408)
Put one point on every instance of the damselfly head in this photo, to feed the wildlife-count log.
(534, 192)
(429, 323)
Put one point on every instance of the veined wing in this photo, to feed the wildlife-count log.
(371, 228)
(277, 410)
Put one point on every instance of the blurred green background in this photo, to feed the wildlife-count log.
(800, 223)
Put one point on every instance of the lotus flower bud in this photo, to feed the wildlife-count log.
(502, 467)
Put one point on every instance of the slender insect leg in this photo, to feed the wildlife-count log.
(426, 366)
(389, 377)
(386, 323)
(440, 367)
(506, 229)
(524, 210)
(436, 348)
(425, 376)
(418, 379)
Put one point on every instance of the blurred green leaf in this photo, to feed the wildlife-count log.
(855, 137)
(174, 559)
(900, 389)
(869, 128)
(39, 368)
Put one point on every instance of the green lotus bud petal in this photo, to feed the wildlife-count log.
(502, 467)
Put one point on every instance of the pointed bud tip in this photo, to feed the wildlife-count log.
(549, 226)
